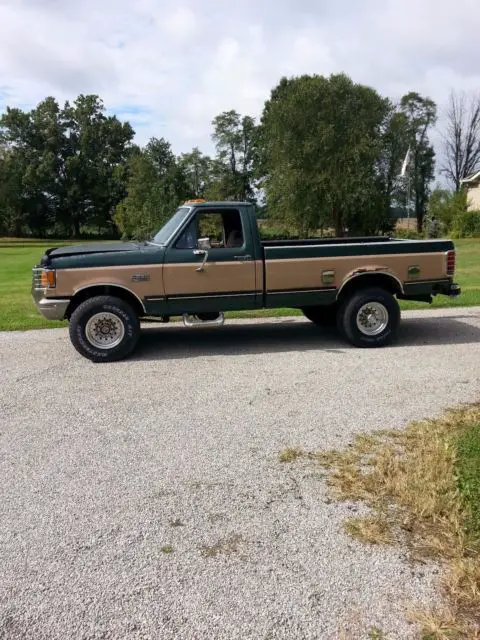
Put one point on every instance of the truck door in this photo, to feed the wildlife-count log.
(210, 266)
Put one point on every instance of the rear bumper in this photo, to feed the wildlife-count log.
(423, 291)
(447, 288)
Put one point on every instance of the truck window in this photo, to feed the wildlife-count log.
(223, 228)
(210, 225)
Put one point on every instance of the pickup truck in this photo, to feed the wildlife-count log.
(209, 258)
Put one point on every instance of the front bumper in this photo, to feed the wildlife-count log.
(50, 308)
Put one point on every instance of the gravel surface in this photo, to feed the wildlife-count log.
(145, 499)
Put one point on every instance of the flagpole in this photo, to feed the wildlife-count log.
(406, 173)
(409, 193)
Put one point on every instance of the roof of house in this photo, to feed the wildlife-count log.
(473, 178)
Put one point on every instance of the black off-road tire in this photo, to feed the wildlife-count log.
(322, 315)
(349, 317)
(123, 313)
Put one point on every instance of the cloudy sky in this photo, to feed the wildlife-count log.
(170, 67)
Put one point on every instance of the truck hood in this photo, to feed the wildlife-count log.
(107, 254)
(87, 249)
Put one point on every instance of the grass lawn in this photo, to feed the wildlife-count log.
(18, 256)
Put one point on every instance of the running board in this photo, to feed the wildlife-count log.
(191, 320)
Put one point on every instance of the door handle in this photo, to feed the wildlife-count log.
(201, 252)
(242, 258)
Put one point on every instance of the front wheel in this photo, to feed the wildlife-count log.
(369, 318)
(104, 329)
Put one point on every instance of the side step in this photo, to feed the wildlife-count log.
(190, 320)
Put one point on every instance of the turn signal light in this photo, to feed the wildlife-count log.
(48, 279)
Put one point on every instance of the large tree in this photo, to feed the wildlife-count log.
(235, 141)
(13, 217)
(156, 185)
(96, 149)
(198, 169)
(461, 137)
(321, 143)
(33, 144)
(421, 115)
(68, 162)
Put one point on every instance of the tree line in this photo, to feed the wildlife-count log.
(326, 153)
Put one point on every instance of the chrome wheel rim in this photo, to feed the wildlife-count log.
(104, 330)
(372, 318)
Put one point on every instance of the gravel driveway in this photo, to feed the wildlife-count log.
(145, 499)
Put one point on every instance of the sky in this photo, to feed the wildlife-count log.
(170, 67)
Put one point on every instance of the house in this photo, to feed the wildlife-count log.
(472, 185)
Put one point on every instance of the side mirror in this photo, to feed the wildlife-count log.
(204, 244)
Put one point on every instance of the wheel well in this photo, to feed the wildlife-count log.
(105, 290)
(366, 280)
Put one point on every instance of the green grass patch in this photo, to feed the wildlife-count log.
(18, 256)
(468, 476)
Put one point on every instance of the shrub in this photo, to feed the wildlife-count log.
(466, 225)
(446, 206)
(407, 234)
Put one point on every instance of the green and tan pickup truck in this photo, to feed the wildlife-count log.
(209, 258)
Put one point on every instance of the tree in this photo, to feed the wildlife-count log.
(198, 170)
(12, 214)
(461, 138)
(67, 164)
(394, 148)
(156, 185)
(96, 149)
(33, 143)
(235, 139)
(320, 146)
(421, 115)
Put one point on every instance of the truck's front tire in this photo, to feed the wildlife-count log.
(104, 329)
(369, 318)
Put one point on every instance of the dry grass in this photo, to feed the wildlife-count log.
(374, 633)
(372, 529)
(224, 546)
(290, 454)
(410, 481)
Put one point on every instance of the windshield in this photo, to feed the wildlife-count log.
(163, 236)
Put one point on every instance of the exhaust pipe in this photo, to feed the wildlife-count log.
(193, 320)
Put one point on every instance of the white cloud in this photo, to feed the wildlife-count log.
(180, 23)
(170, 67)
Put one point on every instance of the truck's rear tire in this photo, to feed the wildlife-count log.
(104, 329)
(369, 317)
(323, 315)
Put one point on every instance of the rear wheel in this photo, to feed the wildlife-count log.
(323, 315)
(104, 329)
(369, 318)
